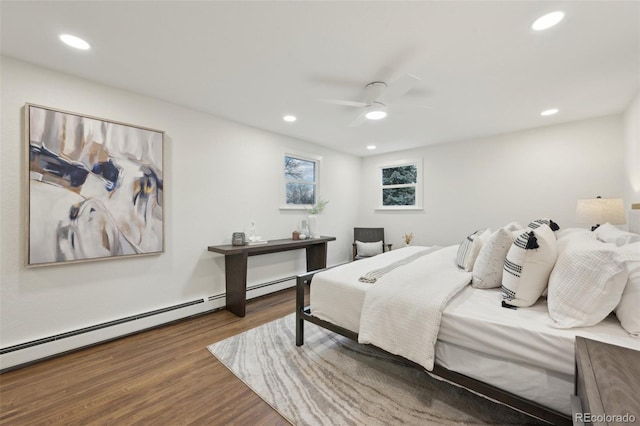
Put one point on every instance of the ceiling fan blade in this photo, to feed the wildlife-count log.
(418, 106)
(399, 87)
(343, 102)
(359, 120)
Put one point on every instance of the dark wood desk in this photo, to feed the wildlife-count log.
(235, 263)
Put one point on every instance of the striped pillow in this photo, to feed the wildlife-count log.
(539, 222)
(528, 265)
(470, 247)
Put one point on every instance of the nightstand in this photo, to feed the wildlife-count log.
(607, 384)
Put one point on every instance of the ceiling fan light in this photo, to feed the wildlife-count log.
(376, 111)
(375, 115)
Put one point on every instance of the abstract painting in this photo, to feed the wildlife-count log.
(95, 188)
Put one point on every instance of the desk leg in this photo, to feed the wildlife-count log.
(316, 257)
(236, 283)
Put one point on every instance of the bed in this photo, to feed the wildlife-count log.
(515, 355)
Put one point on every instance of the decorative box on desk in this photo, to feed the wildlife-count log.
(235, 262)
(607, 384)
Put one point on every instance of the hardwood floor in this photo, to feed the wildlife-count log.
(164, 376)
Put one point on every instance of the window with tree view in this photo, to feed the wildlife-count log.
(300, 176)
(400, 185)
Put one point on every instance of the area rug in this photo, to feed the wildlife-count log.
(331, 380)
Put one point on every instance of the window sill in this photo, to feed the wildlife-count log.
(398, 208)
(301, 207)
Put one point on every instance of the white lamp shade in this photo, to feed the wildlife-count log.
(601, 210)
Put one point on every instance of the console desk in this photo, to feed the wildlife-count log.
(235, 263)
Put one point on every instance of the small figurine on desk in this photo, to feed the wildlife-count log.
(252, 230)
(253, 238)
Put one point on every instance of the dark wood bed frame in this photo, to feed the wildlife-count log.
(303, 313)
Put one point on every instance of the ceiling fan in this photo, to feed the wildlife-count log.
(378, 96)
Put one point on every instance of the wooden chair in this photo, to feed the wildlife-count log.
(368, 235)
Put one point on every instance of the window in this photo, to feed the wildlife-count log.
(400, 184)
(300, 180)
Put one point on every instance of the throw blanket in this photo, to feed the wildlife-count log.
(372, 276)
(401, 313)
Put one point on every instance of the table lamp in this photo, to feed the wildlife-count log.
(600, 210)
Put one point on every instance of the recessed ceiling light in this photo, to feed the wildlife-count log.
(549, 112)
(371, 147)
(74, 41)
(547, 21)
(289, 118)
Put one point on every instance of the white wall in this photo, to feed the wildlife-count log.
(209, 194)
(218, 176)
(632, 152)
(491, 181)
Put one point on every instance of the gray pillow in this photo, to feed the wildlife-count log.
(368, 249)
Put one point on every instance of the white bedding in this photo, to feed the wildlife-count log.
(516, 350)
(475, 320)
(337, 295)
(402, 310)
(545, 387)
(477, 336)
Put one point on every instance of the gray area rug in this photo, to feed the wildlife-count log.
(331, 380)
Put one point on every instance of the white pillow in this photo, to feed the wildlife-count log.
(569, 235)
(513, 226)
(368, 249)
(572, 233)
(628, 310)
(608, 233)
(469, 249)
(487, 270)
(587, 283)
(527, 267)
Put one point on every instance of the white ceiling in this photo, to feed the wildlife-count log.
(483, 70)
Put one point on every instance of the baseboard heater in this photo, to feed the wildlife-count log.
(97, 327)
(79, 331)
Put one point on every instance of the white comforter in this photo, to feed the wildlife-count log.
(402, 310)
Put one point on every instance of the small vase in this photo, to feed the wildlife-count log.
(304, 229)
(312, 220)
